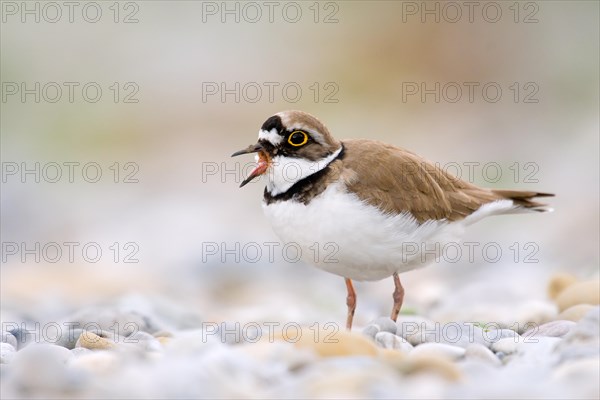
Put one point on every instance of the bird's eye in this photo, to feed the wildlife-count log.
(298, 138)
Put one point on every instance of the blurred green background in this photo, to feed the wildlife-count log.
(179, 137)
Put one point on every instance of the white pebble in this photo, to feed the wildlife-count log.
(476, 351)
(7, 352)
(388, 340)
(439, 349)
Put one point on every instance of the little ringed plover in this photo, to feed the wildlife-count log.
(369, 198)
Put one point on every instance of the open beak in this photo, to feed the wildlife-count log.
(263, 161)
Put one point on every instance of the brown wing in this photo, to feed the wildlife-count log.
(396, 180)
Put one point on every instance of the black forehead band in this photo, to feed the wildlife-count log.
(273, 122)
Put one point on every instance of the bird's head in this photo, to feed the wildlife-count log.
(292, 145)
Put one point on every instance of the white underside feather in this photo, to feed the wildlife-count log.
(371, 245)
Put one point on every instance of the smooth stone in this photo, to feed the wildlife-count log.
(193, 342)
(357, 377)
(493, 335)
(123, 323)
(23, 337)
(576, 352)
(583, 340)
(476, 370)
(394, 358)
(97, 362)
(278, 352)
(455, 334)
(580, 377)
(111, 336)
(164, 340)
(9, 338)
(582, 370)
(165, 334)
(44, 350)
(412, 328)
(558, 283)
(371, 331)
(587, 292)
(69, 338)
(447, 351)
(92, 341)
(479, 352)
(553, 329)
(507, 346)
(79, 351)
(7, 352)
(340, 344)
(539, 349)
(575, 313)
(587, 329)
(492, 308)
(534, 312)
(43, 368)
(459, 334)
(144, 341)
(470, 334)
(385, 324)
(429, 363)
(388, 340)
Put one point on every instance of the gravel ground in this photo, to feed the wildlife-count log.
(147, 350)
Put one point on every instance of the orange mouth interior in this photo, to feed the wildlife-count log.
(263, 164)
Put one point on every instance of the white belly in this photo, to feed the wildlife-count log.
(356, 240)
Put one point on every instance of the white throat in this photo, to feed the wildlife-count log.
(284, 172)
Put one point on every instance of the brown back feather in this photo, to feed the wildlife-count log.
(396, 180)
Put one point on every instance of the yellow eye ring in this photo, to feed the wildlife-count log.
(297, 140)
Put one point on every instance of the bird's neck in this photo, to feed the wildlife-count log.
(293, 177)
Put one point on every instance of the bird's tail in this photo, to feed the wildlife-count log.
(524, 199)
